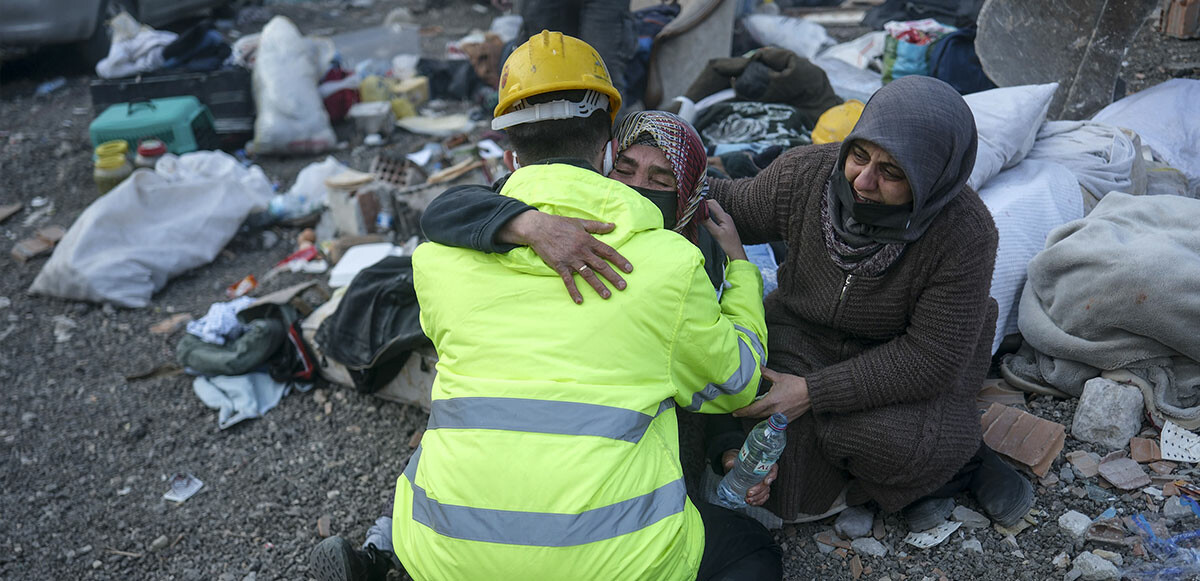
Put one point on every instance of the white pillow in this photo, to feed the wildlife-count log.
(1008, 120)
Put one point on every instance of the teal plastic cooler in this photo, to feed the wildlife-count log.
(183, 123)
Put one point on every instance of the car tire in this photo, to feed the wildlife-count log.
(94, 49)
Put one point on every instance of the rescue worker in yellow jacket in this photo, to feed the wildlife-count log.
(552, 448)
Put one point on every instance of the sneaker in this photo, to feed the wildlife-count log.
(1004, 494)
(927, 513)
(335, 559)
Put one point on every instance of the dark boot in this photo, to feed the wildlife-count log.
(927, 513)
(1004, 494)
(335, 559)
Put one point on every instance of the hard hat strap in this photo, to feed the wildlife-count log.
(531, 113)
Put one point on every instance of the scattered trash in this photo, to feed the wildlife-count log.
(63, 328)
(1023, 437)
(444, 126)
(164, 370)
(41, 243)
(291, 114)
(170, 324)
(50, 86)
(1179, 444)
(359, 257)
(932, 537)
(1171, 560)
(242, 287)
(183, 487)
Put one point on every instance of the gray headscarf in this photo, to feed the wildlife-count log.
(927, 127)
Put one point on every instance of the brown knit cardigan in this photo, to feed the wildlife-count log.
(893, 362)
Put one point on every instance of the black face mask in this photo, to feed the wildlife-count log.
(666, 200)
(895, 217)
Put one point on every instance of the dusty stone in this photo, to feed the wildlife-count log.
(1074, 523)
(854, 522)
(878, 531)
(856, 567)
(159, 544)
(970, 518)
(869, 547)
(1061, 560)
(97, 564)
(972, 546)
(1066, 474)
(1108, 413)
(1111, 557)
(1093, 568)
(1124, 473)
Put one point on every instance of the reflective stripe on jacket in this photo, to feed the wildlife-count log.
(552, 450)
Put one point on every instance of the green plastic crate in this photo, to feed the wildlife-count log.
(183, 123)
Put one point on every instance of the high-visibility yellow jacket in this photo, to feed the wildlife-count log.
(552, 449)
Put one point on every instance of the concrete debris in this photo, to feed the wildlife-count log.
(1074, 523)
(1023, 437)
(1108, 413)
(854, 522)
(970, 518)
(1175, 509)
(869, 547)
(1089, 567)
(1124, 473)
(1111, 557)
(1061, 560)
(1144, 450)
(972, 546)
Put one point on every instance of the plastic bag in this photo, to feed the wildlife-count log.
(860, 52)
(153, 226)
(291, 114)
(802, 37)
(308, 195)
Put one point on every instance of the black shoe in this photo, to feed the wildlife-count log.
(335, 559)
(927, 513)
(1004, 494)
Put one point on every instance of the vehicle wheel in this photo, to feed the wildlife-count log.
(96, 48)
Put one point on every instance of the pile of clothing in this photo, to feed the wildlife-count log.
(138, 49)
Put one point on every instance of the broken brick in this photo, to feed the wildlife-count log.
(1023, 437)
(1144, 451)
(1162, 467)
(831, 539)
(856, 567)
(1169, 489)
(1124, 473)
(1179, 18)
(1087, 466)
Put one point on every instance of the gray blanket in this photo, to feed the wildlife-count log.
(1117, 290)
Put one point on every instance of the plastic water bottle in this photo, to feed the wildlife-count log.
(762, 448)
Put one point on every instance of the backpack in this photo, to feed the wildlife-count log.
(952, 59)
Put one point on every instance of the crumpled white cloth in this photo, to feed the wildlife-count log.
(1101, 156)
(140, 54)
(239, 397)
(220, 324)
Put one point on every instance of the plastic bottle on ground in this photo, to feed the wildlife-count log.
(762, 448)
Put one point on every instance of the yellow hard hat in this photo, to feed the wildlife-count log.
(548, 62)
(836, 123)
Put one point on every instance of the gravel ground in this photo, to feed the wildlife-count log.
(84, 452)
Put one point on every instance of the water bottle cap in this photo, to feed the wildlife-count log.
(778, 421)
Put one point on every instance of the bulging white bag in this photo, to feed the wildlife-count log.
(291, 115)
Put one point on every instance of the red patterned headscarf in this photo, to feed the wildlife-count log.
(686, 154)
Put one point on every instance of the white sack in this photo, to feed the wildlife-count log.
(153, 226)
(849, 82)
(860, 52)
(1167, 118)
(1026, 202)
(1008, 120)
(806, 39)
(135, 49)
(1103, 158)
(291, 115)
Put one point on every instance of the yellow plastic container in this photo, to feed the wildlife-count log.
(374, 88)
(110, 171)
(836, 123)
(110, 148)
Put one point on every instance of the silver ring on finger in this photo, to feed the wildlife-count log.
(584, 269)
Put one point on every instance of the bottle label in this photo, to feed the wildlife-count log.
(762, 468)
